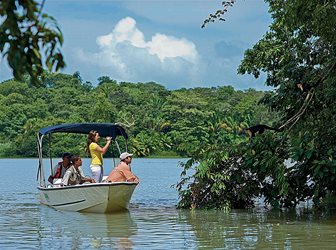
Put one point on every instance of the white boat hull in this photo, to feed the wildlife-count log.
(91, 198)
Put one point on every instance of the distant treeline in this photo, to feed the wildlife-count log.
(161, 122)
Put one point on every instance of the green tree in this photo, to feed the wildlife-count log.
(300, 48)
(298, 51)
(29, 39)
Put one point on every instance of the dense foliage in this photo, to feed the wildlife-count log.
(298, 54)
(162, 122)
(29, 39)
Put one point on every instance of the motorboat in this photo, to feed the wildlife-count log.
(104, 197)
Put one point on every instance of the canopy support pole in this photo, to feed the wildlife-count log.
(51, 163)
(118, 146)
(40, 173)
(114, 164)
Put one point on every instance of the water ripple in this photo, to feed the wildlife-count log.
(152, 222)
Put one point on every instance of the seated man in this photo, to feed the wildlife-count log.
(122, 172)
(74, 174)
(61, 167)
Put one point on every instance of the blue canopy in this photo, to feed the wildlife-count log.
(104, 129)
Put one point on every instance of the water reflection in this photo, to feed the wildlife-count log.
(153, 222)
(260, 229)
(18, 219)
(80, 230)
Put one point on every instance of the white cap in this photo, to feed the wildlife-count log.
(124, 155)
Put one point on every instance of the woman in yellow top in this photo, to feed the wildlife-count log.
(96, 152)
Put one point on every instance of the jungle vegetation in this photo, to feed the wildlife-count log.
(159, 121)
(298, 55)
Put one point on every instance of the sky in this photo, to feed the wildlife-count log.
(158, 40)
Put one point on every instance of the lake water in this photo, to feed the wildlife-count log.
(152, 221)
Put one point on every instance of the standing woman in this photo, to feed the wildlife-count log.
(96, 153)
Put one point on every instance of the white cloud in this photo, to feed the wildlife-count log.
(171, 47)
(125, 30)
(126, 55)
